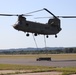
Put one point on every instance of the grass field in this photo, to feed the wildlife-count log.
(31, 69)
(33, 56)
(27, 69)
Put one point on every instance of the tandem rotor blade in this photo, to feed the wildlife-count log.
(14, 15)
(35, 11)
(66, 16)
(41, 17)
(50, 13)
(59, 17)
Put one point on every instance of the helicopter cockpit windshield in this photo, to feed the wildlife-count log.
(16, 25)
(17, 22)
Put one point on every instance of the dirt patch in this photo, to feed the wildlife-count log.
(42, 73)
(13, 71)
(22, 71)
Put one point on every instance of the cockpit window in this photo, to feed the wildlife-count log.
(17, 22)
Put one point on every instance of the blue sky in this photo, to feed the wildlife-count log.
(10, 38)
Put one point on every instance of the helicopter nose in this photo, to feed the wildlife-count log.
(15, 26)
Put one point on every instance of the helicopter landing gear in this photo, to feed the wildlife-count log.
(35, 34)
(47, 36)
(55, 36)
(27, 34)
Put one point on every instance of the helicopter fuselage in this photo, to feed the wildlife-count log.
(37, 28)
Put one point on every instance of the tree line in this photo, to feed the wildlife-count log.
(57, 51)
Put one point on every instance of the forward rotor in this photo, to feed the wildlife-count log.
(14, 15)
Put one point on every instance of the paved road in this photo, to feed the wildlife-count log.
(53, 63)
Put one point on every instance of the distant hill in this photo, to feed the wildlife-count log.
(30, 48)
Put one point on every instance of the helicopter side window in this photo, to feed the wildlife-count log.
(17, 22)
(50, 21)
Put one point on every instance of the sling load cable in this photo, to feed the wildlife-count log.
(35, 41)
(45, 44)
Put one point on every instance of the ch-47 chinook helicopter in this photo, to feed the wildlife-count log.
(51, 28)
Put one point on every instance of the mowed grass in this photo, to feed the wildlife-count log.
(34, 56)
(21, 67)
(34, 68)
(64, 70)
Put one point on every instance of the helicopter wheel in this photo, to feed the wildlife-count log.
(27, 34)
(35, 34)
(55, 36)
(47, 36)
